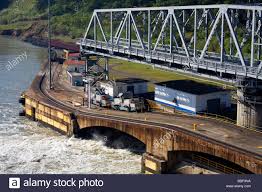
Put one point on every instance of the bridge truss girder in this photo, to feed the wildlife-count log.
(219, 38)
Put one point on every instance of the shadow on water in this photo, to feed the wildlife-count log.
(113, 138)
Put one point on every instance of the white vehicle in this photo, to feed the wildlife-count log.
(130, 104)
(101, 100)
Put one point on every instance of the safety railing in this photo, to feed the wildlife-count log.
(160, 54)
(213, 164)
(217, 117)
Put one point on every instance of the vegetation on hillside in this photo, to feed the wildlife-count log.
(70, 17)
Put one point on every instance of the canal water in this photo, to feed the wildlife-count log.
(29, 147)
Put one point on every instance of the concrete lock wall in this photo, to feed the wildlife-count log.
(248, 113)
(55, 118)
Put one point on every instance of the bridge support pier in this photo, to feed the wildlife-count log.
(32, 115)
(73, 127)
(153, 165)
(249, 105)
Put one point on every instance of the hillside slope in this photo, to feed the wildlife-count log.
(70, 17)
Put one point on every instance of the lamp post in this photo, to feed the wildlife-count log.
(49, 47)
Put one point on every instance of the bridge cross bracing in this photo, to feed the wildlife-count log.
(217, 38)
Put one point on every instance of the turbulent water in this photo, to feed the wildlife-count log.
(29, 147)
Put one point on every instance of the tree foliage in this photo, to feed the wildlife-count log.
(70, 17)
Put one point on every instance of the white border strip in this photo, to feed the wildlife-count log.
(173, 104)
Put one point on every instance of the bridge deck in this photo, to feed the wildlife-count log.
(220, 131)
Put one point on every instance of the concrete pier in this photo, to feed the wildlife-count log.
(153, 165)
(249, 105)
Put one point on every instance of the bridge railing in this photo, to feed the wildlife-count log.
(186, 33)
(215, 165)
(207, 64)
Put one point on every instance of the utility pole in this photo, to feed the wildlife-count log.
(89, 94)
(49, 47)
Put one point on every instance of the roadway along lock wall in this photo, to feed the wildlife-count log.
(156, 159)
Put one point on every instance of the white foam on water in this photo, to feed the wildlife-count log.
(29, 147)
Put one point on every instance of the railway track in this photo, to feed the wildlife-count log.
(39, 85)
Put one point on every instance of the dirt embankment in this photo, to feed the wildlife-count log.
(35, 34)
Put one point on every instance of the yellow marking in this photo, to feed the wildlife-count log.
(67, 119)
(60, 115)
(53, 112)
(148, 173)
(47, 110)
(194, 126)
(150, 164)
(33, 104)
(41, 107)
(27, 101)
(28, 112)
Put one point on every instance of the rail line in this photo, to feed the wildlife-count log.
(168, 127)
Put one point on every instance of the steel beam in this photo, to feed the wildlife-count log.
(180, 34)
(222, 39)
(171, 34)
(136, 31)
(210, 35)
(100, 26)
(195, 34)
(149, 32)
(259, 35)
(121, 29)
(189, 7)
(161, 32)
(253, 38)
(204, 22)
(89, 26)
(236, 42)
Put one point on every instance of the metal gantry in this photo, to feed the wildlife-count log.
(220, 39)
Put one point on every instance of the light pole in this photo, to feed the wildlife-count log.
(49, 47)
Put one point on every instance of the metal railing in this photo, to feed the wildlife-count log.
(215, 165)
(208, 64)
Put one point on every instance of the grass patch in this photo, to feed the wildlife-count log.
(64, 38)
(16, 26)
(131, 69)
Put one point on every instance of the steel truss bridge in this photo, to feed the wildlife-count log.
(217, 39)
